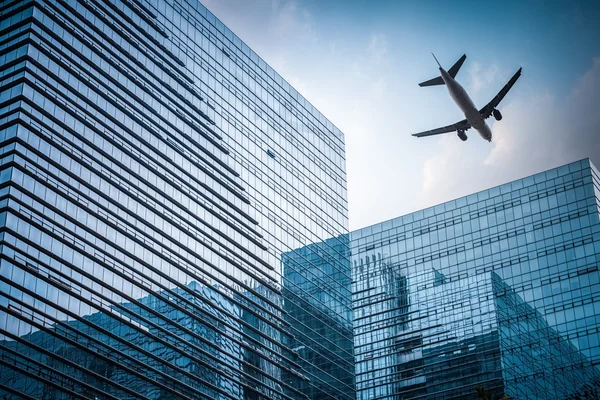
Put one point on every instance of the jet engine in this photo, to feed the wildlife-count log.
(497, 115)
(462, 135)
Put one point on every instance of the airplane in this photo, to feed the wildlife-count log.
(474, 118)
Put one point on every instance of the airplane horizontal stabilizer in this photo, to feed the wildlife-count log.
(432, 82)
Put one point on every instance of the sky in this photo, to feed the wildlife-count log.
(359, 62)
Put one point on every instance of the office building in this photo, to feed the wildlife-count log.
(156, 177)
(494, 294)
(322, 313)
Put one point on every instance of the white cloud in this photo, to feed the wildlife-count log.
(481, 77)
(537, 133)
(545, 132)
(291, 20)
(378, 48)
(287, 26)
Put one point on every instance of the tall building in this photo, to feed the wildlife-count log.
(156, 179)
(324, 312)
(493, 294)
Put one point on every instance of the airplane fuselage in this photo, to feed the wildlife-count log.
(464, 102)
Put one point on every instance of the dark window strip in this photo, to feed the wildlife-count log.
(93, 128)
(173, 346)
(156, 313)
(184, 80)
(133, 75)
(169, 294)
(37, 377)
(88, 348)
(15, 392)
(134, 117)
(273, 321)
(71, 381)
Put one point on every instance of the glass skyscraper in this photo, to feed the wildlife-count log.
(161, 191)
(493, 294)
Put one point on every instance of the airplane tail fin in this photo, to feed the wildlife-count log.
(454, 70)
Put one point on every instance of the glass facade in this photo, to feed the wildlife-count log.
(160, 188)
(493, 294)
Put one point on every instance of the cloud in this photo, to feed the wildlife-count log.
(378, 48)
(538, 132)
(287, 25)
(542, 131)
(291, 20)
(480, 77)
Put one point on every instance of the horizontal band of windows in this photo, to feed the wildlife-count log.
(182, 348)
(144, 31)
(167, 298)
(15, 6)
(68, 362)
(27, 266)
(38, 376)
(145, 14)
(126, 227)
(398, 337)
(58, 166)
(50, 9)
(274, 319)
(10, 40)
(94, 346)
(497, 208)
(566, 245)
(460, 362)
(125, 129)
(497, 238)
(388, 321)
(43, 369)
(121, 68)
(14, 49)
(16, 14)
(15, 392)
(490, 385)
(91, 126)
(559, 220)
(63, 18)
(565, 275)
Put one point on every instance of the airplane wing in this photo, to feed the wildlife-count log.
(486, 111)
(459, 126)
